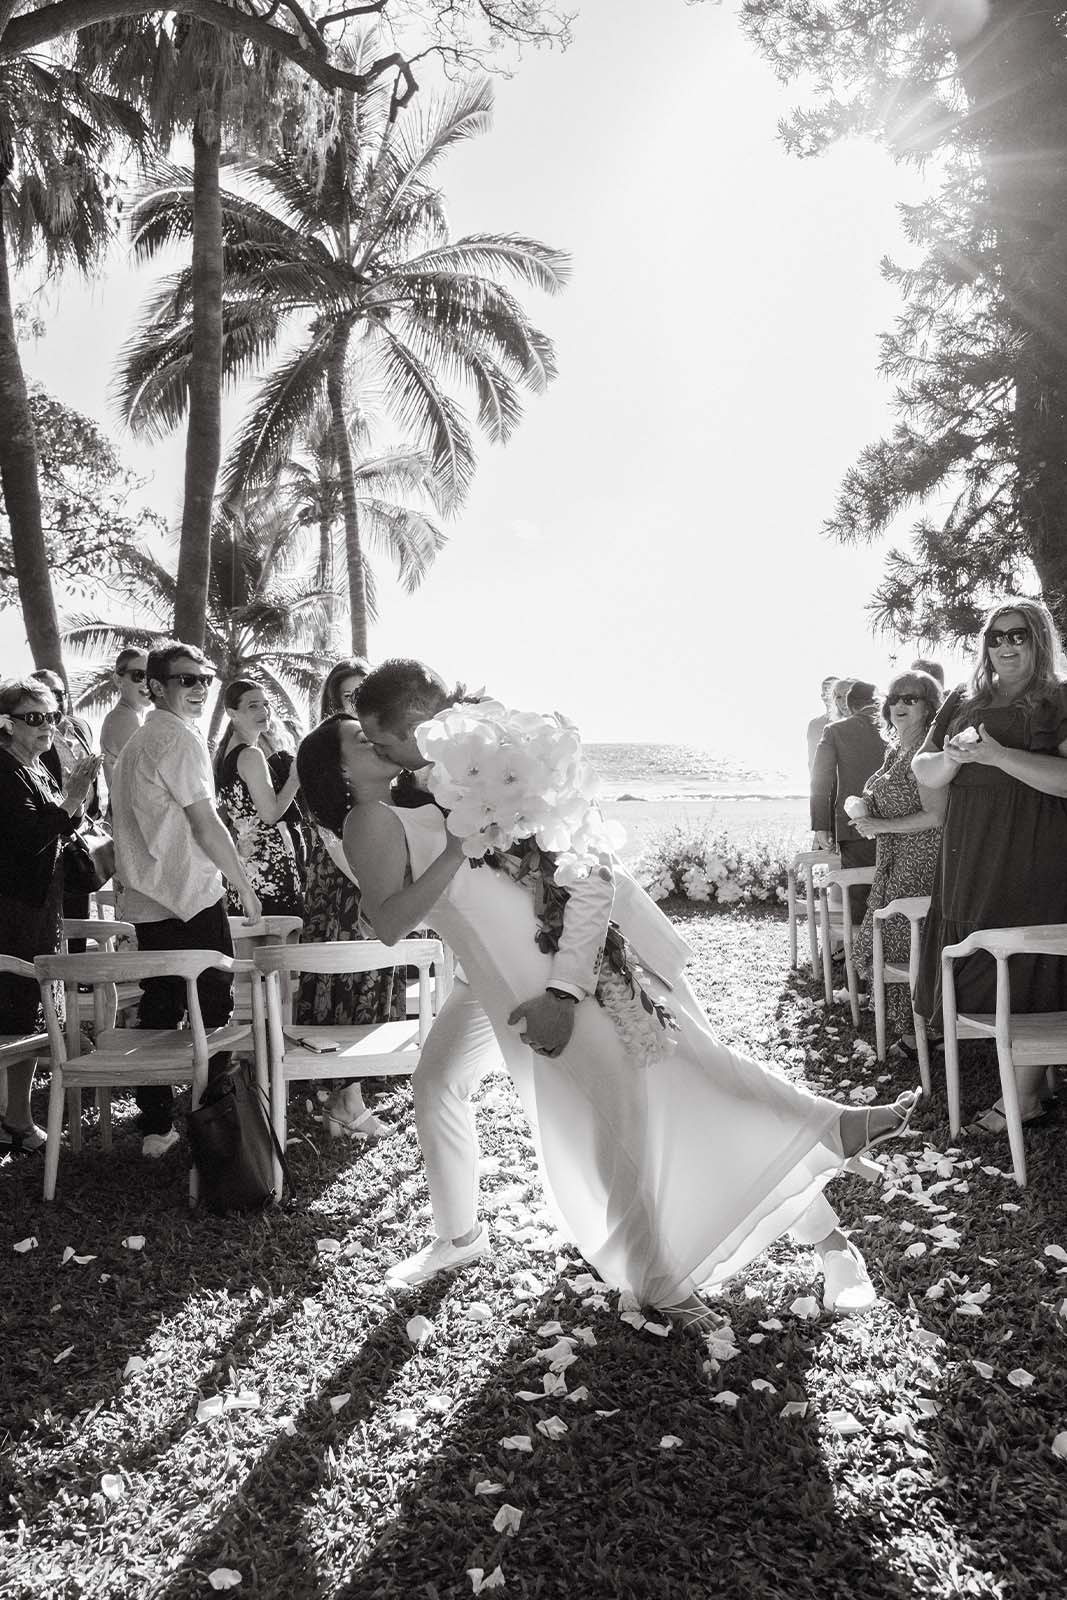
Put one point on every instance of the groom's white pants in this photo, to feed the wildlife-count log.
(460, 1049)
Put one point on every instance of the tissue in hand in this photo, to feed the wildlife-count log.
(967, 736)
(855, 806)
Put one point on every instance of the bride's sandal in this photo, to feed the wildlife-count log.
(904, 1106)
(693, 1313)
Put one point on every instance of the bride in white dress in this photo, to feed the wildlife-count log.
(669, 1178)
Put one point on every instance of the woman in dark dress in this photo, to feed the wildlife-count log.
(332, 911)
(36, 821)
(998, 747)
(255, 807)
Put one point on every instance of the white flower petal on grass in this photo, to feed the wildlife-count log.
(486, 1486)
(1056, 1251)
(83, 1261)
(478, 1311)
(983, 1369)
(930, 1341)
(552, 1427)
(772, 1324)
(554, 1383)
(353, 1248)
(517, 1441)
(844, 1422)
(62, 1356)
(764, 1384)
(328, 1247)
(338, 1402)
(725, 1397)
(112, 1486)
(1059, 1446)
(927, 1408)
(479, 1581)
(548, 1330)
(133, 1366)
(243, 1400)
(586, 1335)
(670, 1441)
(224, 1578)
(916, 1249)
(977, 1297)
(603, 1413)
(209, 1409)
(721, 1347)
(25, 1244)
(756, 1338)
(900, 1423)
(794, 1408)
(634, 1318)
(964, 1308)
(805, 1305)
(438, 1404)
(134, 1241)
(507, 1519)
(660, 1329)
(287, 1426)
(312, 1308)
(418, 1330)
(1019, 1378)
(1008, 1206)
(936, 1290)
(405, 1421)
(528, 1394)
(68, 1255)
(581, 1393)
(1061, 1309)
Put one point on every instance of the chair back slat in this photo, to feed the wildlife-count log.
(129, 966)
(349, 955)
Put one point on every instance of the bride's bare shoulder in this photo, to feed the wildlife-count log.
(372, 821)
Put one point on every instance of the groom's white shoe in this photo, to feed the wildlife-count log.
(440, 1256)
(847, 1287)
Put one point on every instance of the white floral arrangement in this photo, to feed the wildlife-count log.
(708, 867)
(505, 775)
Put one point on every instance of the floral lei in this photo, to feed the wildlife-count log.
(647, 1027)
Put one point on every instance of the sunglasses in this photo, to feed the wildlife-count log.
(906, 699)
(189, 680)
(135, 674)
(37, 719)
(996, 637)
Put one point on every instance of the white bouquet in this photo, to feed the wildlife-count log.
(855, 806)
(508, 775)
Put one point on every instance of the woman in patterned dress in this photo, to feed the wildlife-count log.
(332, 911)
(253, 808)
(905, 820)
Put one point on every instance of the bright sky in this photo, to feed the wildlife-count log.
(645, 554)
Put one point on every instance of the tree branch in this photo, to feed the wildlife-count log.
(35, 28)
(350, 11)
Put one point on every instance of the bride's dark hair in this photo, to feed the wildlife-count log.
(322, 779)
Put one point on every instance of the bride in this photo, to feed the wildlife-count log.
(670, 1177)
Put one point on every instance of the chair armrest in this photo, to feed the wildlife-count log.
(912, 906)
(1049, 939)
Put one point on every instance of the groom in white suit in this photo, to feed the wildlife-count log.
(461, 1047)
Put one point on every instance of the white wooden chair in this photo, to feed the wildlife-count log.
(16, 1047)
(914, 908)
(132, 1056)
(376, 1049)
(1030, 1039)
(837, 919)
(101, 936)
(804, 908)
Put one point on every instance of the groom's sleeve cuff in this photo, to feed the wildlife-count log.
(568, 988)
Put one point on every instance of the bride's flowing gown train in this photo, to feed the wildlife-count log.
(669, 1178)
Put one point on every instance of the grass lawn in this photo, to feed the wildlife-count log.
(344, 1460)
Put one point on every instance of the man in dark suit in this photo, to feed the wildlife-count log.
(848, 752)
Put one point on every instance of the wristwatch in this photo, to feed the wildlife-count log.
(562, 994)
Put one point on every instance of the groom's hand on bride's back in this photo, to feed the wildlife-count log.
(549, 1023)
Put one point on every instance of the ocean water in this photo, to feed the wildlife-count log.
(684, 772)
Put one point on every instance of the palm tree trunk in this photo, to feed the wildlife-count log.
(18, 479)
(203, 448)
(357, 583)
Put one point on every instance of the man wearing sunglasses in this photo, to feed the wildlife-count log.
(128, 712)
(172, 849)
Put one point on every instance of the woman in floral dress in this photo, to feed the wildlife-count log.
(331, 912)
(905, 820)
(253, 808)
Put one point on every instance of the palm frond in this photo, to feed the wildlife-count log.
(527, 260)
(286, 396)
(408, 537)
(429, 415)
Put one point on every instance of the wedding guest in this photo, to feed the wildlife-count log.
(37, 819)
(840, 699)
(933, 668)
(332, 911)
(253, 808)
(172, 850)
(997, 747)
(278, 743)
(817, 724)
(72, 741)
(904, 821)
(129, 711)
(849, 751)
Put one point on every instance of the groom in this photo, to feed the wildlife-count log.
(461, 1046)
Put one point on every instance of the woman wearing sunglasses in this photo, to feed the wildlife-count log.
(37, 819)
(130, 709)
(904, 820)
(997, 749)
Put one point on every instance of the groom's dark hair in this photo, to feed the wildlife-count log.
(401, 692)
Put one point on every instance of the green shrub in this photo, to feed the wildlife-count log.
(706, 865)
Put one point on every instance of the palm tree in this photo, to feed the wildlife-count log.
(265, 609)
(56, 130)
(188, 74)
(359, 261)
(392, 488)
